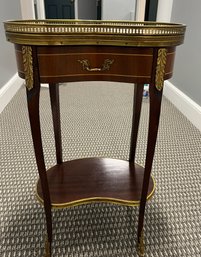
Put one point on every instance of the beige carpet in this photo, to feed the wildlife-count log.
(96, 121)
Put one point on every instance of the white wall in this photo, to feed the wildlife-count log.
(9, 81)
(184, 89)
(164, 10)
(9, 10)
(140, 10)
(40, 9)
(188, 58)
(118, 9)
(27, 9)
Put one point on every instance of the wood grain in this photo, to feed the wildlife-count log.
(95, 179)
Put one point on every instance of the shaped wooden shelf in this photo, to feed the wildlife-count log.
(55, 51)
(95, 179)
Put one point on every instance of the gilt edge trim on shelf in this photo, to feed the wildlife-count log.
(96, 200)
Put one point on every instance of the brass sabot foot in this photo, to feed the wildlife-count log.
(47, 248)
(141, 246)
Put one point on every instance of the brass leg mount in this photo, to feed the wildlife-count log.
(47, 252)
(141, 246)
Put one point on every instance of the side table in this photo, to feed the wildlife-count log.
(55, 51)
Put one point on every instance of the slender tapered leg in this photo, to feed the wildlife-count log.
(155, 106)
(54, 99)
(33, 109)
(155, 93)
(137, 103)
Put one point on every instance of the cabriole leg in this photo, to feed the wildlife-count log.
(137, 103)
(54, 99)
(33, 94)
(155, 106)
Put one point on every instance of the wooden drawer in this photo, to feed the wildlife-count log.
(67, 63)
(81, 63)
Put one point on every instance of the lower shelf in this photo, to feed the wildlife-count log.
(95, 179)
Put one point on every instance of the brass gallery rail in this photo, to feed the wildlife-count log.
(54, 51)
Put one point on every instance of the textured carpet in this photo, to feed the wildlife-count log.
(96, 121)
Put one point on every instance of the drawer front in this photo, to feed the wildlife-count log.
(81, 63)
(94, 63)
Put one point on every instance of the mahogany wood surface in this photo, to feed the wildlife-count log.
(95, 179)
(54, 100)
(137, 103)
(148, 60)
(154, 117)
(33, 98)
(131, 64)
(98, 179)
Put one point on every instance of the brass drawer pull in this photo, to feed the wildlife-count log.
(86, 65)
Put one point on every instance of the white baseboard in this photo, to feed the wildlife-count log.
(184, 104)
(45, 85)
(9, 90)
